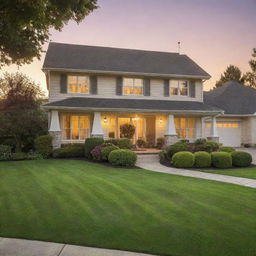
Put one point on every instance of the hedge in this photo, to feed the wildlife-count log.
(90, 144)
(227, 149)
(69, 151)
(122, 157)
(202, 159)
(221, 160)
(183, 159)
(106, 151)
(43, 145)
(177, 147)
(241, 159)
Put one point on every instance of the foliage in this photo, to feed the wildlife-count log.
(163, 157)
(241, 159)
(221, 160)
(250, 76)
(90, 144)
(25, 25)
(32, 155)
(212, 146)
(177, 147)
(124, 143)
(127, 131)
(183, 159)
(96, 153)
(160, 142)
(21, 118)
(141, 143)
(227, 149)
(122, 157)
(106, 151)
(232, 73)
(18, 156)
(111, 135)
(202, 159)
(43, 145)
(200, 141)
(69, 151)
(5, 152)
(112, 141)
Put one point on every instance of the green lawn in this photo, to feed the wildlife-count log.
(77, 202)
(239, 172)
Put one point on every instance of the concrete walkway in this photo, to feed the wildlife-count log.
(151, 162)
(21, 247)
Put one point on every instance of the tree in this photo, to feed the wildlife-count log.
(25, 24)
(250, 76)
(232, 73)
(21, 119)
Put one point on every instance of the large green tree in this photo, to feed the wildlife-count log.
(250, 76)
(25, 24)
(232, 73)
(21, 118)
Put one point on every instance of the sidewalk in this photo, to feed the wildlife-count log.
(21, 247)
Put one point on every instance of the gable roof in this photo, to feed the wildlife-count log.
(234, 98)
(116, 60)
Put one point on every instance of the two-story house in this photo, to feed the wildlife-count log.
(93, 90)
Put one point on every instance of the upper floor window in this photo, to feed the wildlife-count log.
(133, 86)
(78, 84)
(179, 87)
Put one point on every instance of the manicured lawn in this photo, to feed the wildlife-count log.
(77, 202)
(239, 172)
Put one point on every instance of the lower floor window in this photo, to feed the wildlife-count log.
(185, 127)
(75, 127)
(221, 124)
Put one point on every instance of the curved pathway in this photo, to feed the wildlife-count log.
(151, 162)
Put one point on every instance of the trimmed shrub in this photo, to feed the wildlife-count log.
(43, 145)
(106, 151)
(19, 156)
(112, 141)
(124, 143)
(183, 159)
(200, 141)
(177, 147)
(69, 151)
(122, 157)
(227, 149)
(202, 159)
(31, 155)
(5, 152)
(96, 153)
(90, 144)
(212, 146)
(163, 157)
(160, 142)
(221, 160)
(141, 143)
(241, 159)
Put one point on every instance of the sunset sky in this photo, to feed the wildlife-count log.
(214, 33)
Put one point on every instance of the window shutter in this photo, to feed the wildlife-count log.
(146, 87)
(93, 85)
(166, 88)
(119, 85)
(192, 89)
(63, 83)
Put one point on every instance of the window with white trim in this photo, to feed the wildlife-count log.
(132, 86)
(179, 87)
(78, 84)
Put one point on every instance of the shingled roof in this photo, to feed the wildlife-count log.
(116, 60)
(234, 98)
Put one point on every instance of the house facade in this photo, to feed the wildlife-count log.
(94, 90)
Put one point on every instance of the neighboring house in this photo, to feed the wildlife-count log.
(93, 90)
(238, 123)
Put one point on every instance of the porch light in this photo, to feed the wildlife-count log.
(160, 120)
(105, 120)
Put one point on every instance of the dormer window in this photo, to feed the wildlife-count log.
(179, 87)
(132, 86)
(78, 84)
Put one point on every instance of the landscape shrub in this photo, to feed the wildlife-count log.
(19, 156)
(200, 141)
(96, 153)
(227, 149)
(43, 145)
(112, 141)
(90, 144)
(160, 142)
(221, 160)
(124, 143)
(69, 151)
(241, 159)
(202, 159)
(122, 157)
(106, 151)
(32, 155)
(212, 146)
(127, 131)
(183, 159)
(177, 147)
(141, 143)
(5, 152)
(163, 157)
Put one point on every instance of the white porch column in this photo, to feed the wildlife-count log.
(97, 130)
(170, 135)
(214, 127)
(54, 129)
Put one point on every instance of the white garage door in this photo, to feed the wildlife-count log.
(229, 133)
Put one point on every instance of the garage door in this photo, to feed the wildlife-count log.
(229, 133)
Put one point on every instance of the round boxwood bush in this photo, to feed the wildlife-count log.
(183, 159)
(241, 159)
(124, 143)
(90, 144)
(106, 151)
(122, 157)
(221, 160)
(202, 159)
(227, 149)
(43, 145)
(177, 147)
(212, 146)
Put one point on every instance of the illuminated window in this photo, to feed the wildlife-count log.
(178, 87)
(224, 125)
(133, 86)
(78, 84)
(75, 127)
(185, 127)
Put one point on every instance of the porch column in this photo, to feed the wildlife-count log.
(170, 135)
(97, 130)
(54, 129)
(214, 131)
